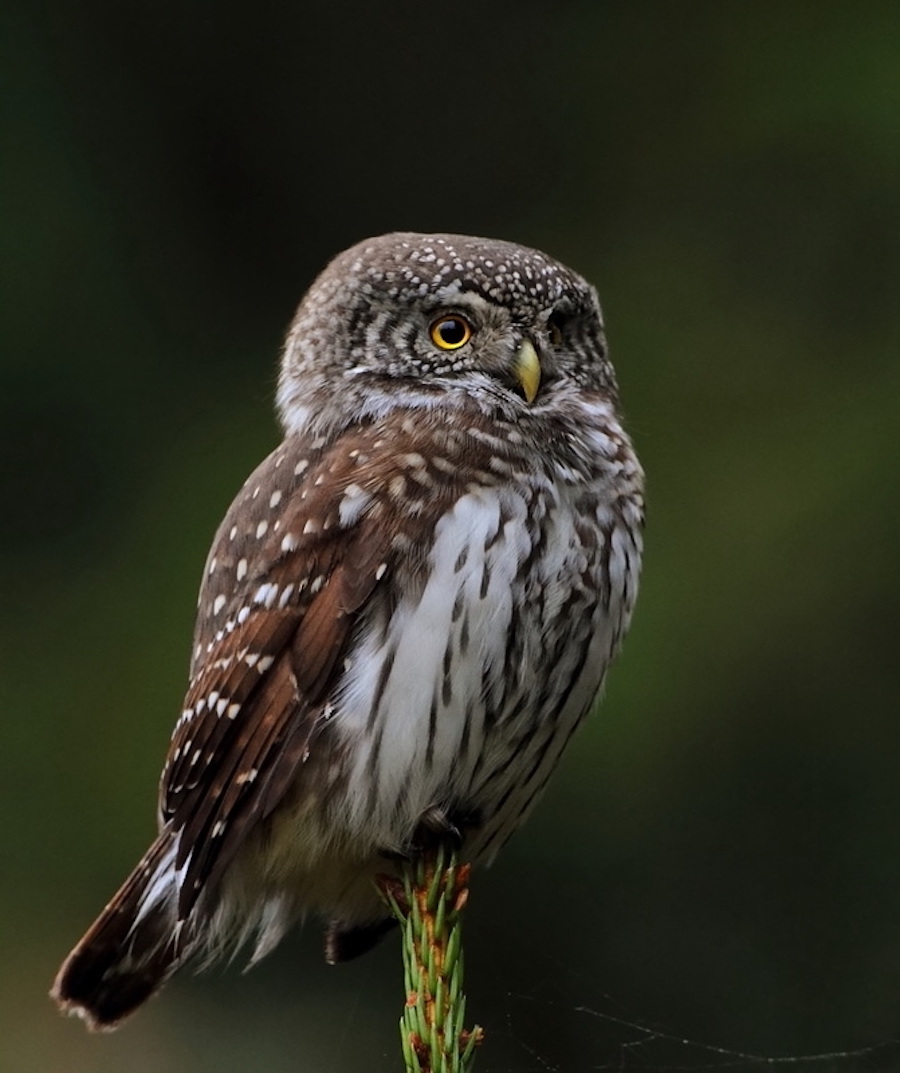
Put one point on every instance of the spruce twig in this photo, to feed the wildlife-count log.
(428, 902)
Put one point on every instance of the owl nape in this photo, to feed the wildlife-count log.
(407, 611)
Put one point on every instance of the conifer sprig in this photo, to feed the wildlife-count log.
(428, 901)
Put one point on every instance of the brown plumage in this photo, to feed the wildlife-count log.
(406, 612)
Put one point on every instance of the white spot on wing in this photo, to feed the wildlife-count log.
(266, 594)
(353, 503)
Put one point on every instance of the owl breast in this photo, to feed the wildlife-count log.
(465, 684)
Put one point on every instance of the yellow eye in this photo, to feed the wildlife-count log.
(451, 332)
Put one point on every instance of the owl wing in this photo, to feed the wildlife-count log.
(292, 564)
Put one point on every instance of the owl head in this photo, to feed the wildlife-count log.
(441, 323)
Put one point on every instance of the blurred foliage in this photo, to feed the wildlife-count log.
(719, 855)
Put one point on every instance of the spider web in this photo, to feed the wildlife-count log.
(610, 1038)
(642, 1046)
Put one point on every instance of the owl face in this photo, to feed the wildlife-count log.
(417, 320)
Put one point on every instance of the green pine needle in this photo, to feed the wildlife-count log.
(428, 902)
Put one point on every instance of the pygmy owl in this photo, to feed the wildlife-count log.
(406, 612)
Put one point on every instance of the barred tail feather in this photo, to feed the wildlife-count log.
(132, 948)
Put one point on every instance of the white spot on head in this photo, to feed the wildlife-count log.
(212, 565)
(274, 499)
(233, 533)
(218, 604)
(302, 465)
(262, 529)
(289, 543)
(241, 569)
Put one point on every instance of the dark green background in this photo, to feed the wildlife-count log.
(719, 856)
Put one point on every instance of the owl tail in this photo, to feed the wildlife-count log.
(132, 948)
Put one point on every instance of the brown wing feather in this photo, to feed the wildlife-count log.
(232, 684)
(284, 583)
(217, 828)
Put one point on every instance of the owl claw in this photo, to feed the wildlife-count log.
(436, 825)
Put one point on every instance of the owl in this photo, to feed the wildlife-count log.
(407, 611)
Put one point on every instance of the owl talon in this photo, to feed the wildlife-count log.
(434, 827)
(437, 826)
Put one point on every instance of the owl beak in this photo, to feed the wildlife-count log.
(527, 370)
